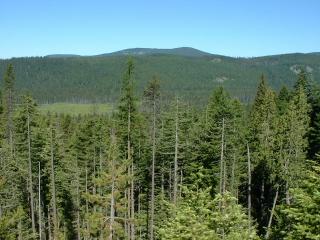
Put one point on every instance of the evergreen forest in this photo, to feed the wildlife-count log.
(188, 72)
(163, 168)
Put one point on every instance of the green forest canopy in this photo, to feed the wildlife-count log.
(190, 74)
(158, 170)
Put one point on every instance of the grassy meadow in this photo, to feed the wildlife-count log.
(76, 108)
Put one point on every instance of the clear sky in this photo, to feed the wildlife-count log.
(87, 27)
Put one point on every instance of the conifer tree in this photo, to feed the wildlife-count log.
(110, 223)
(221, 119)
(314, 133)
(1, 117)
(152, 95)
(300, 219)
(283, 99)
(28, 146)
(303, 82)
(8, 105)
(127, 120)
(262, 138)
(82, 154)
(180, 173)
(198, 216)
(293, 126)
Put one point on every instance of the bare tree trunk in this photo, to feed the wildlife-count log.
(126, 225)
(181, 180)
(30, 178)
(78, 202)
(49, 224)
(153, 169)
(10, 120)
(84, 226)
(272, 212)
(39, 193)
(87, 203)
(162, 183)
(262, 197)
(132, 203)
(287, 181)
(170, 182)
(139, 145)
(130, 191)
(53, 189)
(222, 161)
(100, 188)
(139, 209)
(94, 191)
(11, 143)
(100, 159)
(224, 172)
(249, 187)
(112, 204)
(233, 174)
(19, 230)
(175, 173)
(112, 210)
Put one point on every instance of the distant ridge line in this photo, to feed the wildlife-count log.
(180, 51)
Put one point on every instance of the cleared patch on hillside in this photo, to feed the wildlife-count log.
(221, 79)
(76, 108)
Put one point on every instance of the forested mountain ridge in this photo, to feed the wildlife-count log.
(187, 72)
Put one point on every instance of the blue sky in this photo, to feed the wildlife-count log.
(235, 28)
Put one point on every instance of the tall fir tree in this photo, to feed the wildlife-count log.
(152, 97)
(262, 140)
(8, 105)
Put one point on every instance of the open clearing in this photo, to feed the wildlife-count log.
(76, 108)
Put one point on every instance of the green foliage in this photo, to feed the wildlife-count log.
(262, 139)
(291, 137)
(198, 216)
(283, 99)
(300, 219)
(9, 78)
(96, 79)
(7, 104)
(109, 185)
(302, 82)
(314, 134)
(205, 146)
(96, 169)
(127, 116)
(14, 225)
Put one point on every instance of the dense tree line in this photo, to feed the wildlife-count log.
(98, 78)
(155, 169)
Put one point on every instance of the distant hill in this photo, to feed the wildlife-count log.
(183, 51)
(62, 55)
(315, 53)
(188, 72)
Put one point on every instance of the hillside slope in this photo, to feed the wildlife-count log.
(98, 78)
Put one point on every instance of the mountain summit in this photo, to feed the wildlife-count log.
(182, 51)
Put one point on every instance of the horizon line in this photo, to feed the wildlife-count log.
(154, 48)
